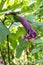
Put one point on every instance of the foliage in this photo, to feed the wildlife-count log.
(13, 49)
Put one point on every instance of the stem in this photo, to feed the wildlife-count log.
(11, 13)
(32, 46)
(27, 53)
(3, 57)
(8, 50)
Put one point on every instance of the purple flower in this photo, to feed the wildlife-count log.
(30, 32)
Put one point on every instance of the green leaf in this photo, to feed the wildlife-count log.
(30, 17)
(31, 2)
(22, 46)
(21, 31)
(38, 40)
(1, 4)
(39, 61)
(35, 50)
(13, 40)
(13, 37)
(3, 32)
(18, 24)
(5, 12)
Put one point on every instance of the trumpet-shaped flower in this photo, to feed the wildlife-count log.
(30, 32)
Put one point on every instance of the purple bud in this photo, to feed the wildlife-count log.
(31, 33)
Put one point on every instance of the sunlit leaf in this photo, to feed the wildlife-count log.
(3, 32)
(5, 12)
(13, 40)
(38, 41)
(22, 46)
(31, 2)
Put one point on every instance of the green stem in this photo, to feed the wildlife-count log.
(8, 50)
(3, 57)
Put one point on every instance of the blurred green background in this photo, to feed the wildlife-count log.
(14, 50)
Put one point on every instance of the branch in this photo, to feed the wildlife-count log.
(8, 50)
(11, 13)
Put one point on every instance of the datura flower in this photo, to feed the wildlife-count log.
(30, 32)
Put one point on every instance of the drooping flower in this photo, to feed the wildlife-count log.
(30, 32)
